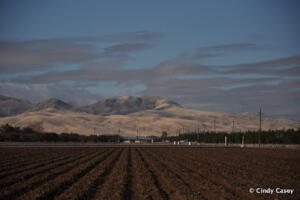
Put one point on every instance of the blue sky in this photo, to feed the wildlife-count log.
(227, 56)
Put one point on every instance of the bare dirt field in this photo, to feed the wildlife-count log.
(148, 173)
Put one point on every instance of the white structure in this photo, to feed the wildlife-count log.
(242, 142)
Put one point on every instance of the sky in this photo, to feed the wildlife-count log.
(225, 56)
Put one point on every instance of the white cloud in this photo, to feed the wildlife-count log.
(39, 92)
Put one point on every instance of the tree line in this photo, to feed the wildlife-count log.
(10, 133)
(289, 136)
(35, 134)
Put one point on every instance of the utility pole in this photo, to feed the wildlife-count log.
(260, 113)
(232, 125)
(259, 134)
(214, 125)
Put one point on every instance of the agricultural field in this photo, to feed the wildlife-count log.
(147, 173)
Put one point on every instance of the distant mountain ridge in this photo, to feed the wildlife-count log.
(52, 103)
(128, 115)
(10, 106)
(128, 104)
(123, 105)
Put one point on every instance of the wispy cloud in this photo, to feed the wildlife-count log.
(214, 51)
(37, 54)
(230, 47)
(126, 48)
(38, 92)
(21, 56)
(130, 36)
(282, 68)
(285, 62)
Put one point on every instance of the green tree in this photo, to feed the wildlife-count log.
(164, 134)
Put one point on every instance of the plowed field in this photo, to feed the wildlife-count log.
(148, 173)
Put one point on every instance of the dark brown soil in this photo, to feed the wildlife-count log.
(147, 173)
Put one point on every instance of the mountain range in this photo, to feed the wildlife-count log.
(128, 116)
(124, 105)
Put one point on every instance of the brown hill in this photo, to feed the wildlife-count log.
(52, 103)
(11, 106)
(150, 116)
(128, 104)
